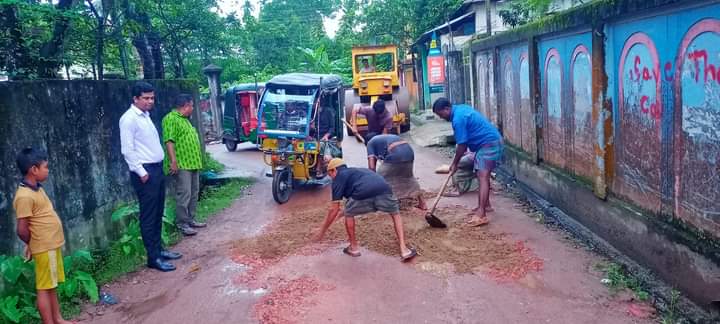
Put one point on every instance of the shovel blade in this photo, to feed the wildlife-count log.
(434, 221)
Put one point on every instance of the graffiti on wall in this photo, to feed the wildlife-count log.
(697, 153)
(554, 143)
(640, 108)
(582, 131)
(664, 86)
(527, 117)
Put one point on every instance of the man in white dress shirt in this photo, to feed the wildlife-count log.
(140, 145)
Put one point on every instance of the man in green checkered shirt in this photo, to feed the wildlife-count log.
(183, 160)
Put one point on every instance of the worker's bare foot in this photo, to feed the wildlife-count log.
(488, 209)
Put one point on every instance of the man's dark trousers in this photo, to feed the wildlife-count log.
(151, 196)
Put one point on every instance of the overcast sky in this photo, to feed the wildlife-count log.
(227, 6)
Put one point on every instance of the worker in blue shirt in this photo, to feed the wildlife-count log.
(474, 132)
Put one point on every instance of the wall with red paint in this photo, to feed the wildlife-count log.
(665, 90)
(619, 100)
(663, 93)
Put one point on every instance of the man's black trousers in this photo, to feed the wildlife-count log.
(151, 197)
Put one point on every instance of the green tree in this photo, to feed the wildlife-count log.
(523, 12)
(33, 36)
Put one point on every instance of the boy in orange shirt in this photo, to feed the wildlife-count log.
(39, 226)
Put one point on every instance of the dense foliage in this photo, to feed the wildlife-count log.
(177, 38)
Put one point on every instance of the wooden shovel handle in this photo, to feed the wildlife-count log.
(442, 190)
(362, 140)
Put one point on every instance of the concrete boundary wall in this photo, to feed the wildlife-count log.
(611, 111)
(76, 122)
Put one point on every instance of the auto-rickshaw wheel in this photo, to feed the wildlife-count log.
(282, 186)
(230, 145)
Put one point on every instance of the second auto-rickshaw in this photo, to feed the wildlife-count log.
(240, 114)
(300, 128)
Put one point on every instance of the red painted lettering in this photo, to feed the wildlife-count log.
(668, 72)
(695, 56)
(643, 101)
(709, 69)
(646, 74)
(655, 111)
(636, 67)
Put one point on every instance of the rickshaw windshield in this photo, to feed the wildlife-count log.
(286, 112)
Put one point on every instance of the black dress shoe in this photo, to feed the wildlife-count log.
(195, 224)
(161, 265)
(169, 255)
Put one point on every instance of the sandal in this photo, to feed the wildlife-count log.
(481, 222)
(451, 192)
(409, 256)
(351, 253)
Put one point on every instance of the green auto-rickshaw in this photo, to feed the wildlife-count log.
(240, 114)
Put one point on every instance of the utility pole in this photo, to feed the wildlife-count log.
(448, 55)
(488, 18)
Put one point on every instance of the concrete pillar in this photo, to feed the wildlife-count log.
(455, 77)
(535, 98)
(602, 110)
(212, 72)
(497, 89)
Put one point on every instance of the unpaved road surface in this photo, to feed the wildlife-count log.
(254, 263)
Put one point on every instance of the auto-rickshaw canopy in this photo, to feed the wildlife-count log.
(306, 80)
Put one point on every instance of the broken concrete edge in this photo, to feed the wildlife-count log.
(417, 120)
(432, 133)
(650, 280)
(216, 179)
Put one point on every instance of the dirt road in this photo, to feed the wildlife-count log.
(254, 263)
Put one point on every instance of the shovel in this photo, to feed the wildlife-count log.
(433, 220)
(362, 140)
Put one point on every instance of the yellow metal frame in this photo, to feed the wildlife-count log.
(300, 171)
(375, 83)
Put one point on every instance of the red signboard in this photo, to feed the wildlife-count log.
(436, 69)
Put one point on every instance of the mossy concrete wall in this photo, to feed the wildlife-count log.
(621, 95)
(76, 122)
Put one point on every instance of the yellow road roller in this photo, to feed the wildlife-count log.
(376, 77)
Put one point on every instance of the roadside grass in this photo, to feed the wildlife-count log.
(86, 272)
(119, 259)
(619, 279)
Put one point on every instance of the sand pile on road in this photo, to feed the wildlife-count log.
(468, 250)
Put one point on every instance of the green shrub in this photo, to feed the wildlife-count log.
(17, 304)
